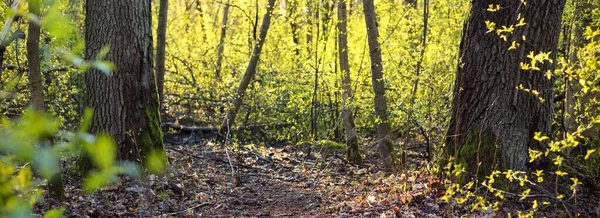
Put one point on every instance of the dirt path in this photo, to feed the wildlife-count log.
(267, 182)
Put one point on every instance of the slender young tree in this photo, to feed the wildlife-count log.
(292, 8)
(161, 44)
(353, 153)
(55, 185)
(125, 103)
(385, 144)
(575, 100)
(249, 74)
(221, 46)
(5, 40)
(493, 122)
(33, 58)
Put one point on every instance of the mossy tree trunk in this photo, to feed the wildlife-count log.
(228, 123)
(125, 103)
(353, 152)
(385, 144)
(493, 122)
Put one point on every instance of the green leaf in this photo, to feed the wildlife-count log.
(47, 161)
(104, 67)
(54, 213)
(86, 123)
(98, 179)
(24, 177)
(103, 52)
(155, 162)
(589, 153)
(102, 152)
(131, 169)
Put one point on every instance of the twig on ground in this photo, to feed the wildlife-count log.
(186, 210)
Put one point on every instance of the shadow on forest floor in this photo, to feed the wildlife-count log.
(265, 182)
(207, 180)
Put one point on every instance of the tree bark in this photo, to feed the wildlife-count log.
(385, 144)
(578, 104)
(221, 46)
(493, 122)
(125, 103)
(293, 19)
(4, 42)
(353, 152)
(412, 3)
(249, 74)
(161, 43)
(33, 58)
(55, 183)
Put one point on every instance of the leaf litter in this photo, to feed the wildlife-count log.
(208, 180)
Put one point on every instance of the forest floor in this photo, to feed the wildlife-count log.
(207, 180)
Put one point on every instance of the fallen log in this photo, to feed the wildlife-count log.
(207, 129)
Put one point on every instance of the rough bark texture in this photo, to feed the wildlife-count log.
(125, 104)
(489, 110)
(249, 74)
(353, 153)
(385, 146)
(221, 46)
(161, 44)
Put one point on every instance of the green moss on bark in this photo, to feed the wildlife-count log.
(151, 137)
(353, 153)
(478, 146)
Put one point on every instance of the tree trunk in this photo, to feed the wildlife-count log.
(493, 122)
(293, 19)
(221, 46)
(412, 3)
(55, 183)
(161, 43)
(126, 103)
(578, 104)
(328, 7)
(385, 144)
(249, 74)
(33, 59)
(4, 34)
(353, 153)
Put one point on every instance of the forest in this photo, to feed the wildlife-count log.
(300, 108)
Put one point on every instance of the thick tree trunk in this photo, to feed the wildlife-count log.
(249, 74)
(126, 103)
(493, 122)
(221, 46)
(161, 44)
(353, 153)
(386, 146)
